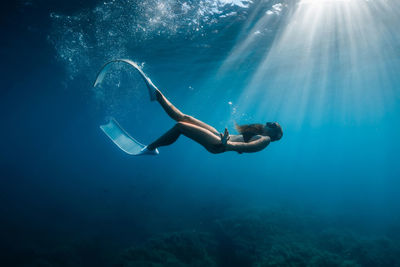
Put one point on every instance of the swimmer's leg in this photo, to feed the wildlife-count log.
(202, 136)
(178, 116)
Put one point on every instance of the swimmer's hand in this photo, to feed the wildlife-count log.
(225, 137)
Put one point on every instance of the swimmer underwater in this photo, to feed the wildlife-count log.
(251, 137)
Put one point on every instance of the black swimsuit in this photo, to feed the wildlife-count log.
(217, 148)
(220, 148)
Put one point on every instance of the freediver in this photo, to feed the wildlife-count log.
(251, 137)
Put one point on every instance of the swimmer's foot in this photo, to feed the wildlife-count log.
(146, 151)
(150, 85)
(152, 89)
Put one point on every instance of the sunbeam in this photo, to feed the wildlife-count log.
(330, 60)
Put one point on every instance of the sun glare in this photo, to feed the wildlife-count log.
(322, 1)
(329, 60)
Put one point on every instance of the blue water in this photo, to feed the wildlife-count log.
(327, 194)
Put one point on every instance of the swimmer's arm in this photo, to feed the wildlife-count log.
(259, 143)
(236, 138)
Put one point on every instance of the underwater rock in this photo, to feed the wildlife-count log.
(249, 239)
(266, 239)
(175, 249)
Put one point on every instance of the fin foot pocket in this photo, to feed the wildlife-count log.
(146, 151)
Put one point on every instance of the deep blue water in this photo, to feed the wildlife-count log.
(327, 194)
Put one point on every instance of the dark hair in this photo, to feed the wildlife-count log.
(250, 130)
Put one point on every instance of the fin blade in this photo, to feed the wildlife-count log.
(121, 138)
(150, 85)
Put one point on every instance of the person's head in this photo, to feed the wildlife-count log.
(271, 129)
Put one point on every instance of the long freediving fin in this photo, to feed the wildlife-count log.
(150, 86)
(124, 141)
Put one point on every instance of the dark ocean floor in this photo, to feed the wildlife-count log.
(252, 238)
